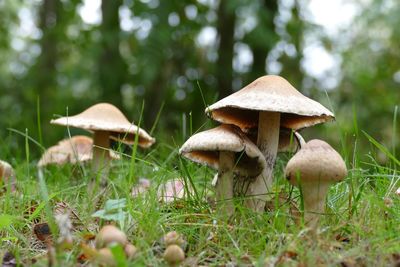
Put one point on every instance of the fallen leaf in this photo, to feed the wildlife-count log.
(42, 232)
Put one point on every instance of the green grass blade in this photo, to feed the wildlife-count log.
(382, 148)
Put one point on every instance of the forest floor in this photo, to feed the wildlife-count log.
(361, 225)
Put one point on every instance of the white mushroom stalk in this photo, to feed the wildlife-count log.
(106, 121)
(268, 104)
(267, 141)
(289, 141)
(228, 150)
(314, 168)
(224, 184)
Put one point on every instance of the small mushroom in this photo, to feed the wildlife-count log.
(171, 191)
(289, 141)
(314, 168)
(105, 257)
(142, 186)
(226, 149)
(173, 238)
(266, 105)
(71, 150)
(130, 251)
(7, 174)
(174, 254)
(109, 235)
(106, 121)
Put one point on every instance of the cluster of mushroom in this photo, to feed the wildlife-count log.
(173, 253)
(258, 121)
(106, 122)
(110, 236)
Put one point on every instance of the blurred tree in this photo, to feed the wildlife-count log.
(161, 56)
(226, 31)
(112, 69)
(295, 29)
(263, 38)
(370, 88)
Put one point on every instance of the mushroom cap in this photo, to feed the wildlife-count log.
(6, 170)
(106, 257)
(130, 250)
(204, 148)
(174, 254)
(110, 234)
(269, 93)
(7, 174)
(72, 150)
(106, 117)
(316, 162)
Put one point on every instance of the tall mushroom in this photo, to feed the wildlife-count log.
(314, 168)
(267, 104)
(226, 149)
(106, 121)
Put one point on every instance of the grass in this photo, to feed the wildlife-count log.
(361, 225)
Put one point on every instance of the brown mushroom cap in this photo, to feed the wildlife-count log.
(130, 251)
(106, 117)
(204, 148)
(110, 234)
(173, 254)
(71, 150)
(316, 162)
(269, 93)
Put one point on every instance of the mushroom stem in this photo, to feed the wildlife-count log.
(314, 195)
(267, 142)
(224, 186)
(101, 158)
(300, 139)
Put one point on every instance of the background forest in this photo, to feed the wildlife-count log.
(169, 56)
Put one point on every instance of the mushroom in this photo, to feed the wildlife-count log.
(130, 251)
(71, 150)
(109, 235)
(105, 257)
(289, 141)
(173, 238)
(226, 149)
(172, 190)
(314, 168)
(173, 254)
(267, 104)
(106, 121)
(7, 174)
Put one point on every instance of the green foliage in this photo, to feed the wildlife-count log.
(114, 210)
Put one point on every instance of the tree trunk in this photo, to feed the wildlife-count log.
(112, 69)
(262, 46)
(226, 30)
(43, 75)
